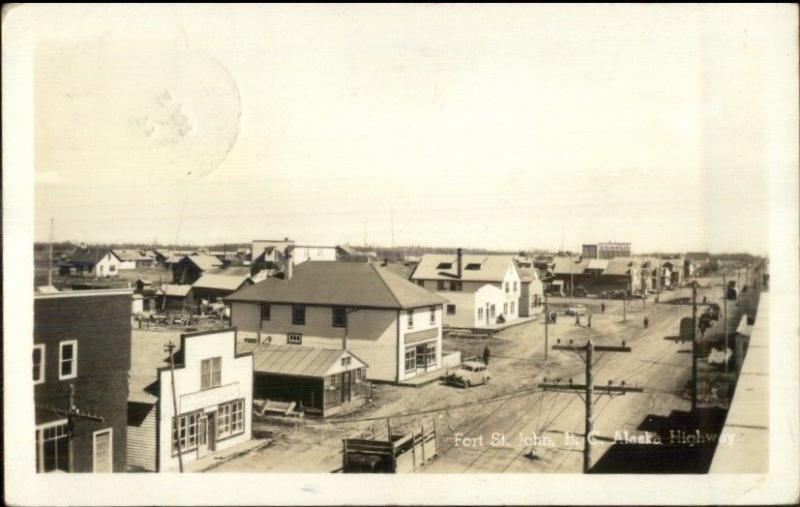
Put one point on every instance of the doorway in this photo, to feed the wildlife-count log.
(346, 386)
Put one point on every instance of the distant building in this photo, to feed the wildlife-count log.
(611, 250)
(133, 259)
(389, 323)
(92, 262)
(589, 251)
(483, 291)
(214, 394)
(173, 297)
(578, 276)
(191, 267)
(531, 296)
(81, 358)
(347, 253)
(213, 285)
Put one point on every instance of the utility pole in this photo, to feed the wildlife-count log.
(170, 347)
(546, 324)
(694, 347)
(589, 389)
(725, 318)
(50, 265)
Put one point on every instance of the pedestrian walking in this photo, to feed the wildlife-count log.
(555, 317)
(486, 355)
(589, 321)
(602, 308)
(577, 320)
(646, 322)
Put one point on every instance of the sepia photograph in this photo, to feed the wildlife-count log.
(492, 254)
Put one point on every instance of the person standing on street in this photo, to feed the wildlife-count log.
(602, 308)
(486, 355)
(646, 322)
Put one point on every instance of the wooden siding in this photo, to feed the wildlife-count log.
(141, 448)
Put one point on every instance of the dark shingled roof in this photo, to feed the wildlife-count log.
(340, 283)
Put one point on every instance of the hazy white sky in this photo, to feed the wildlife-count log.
(493, 126)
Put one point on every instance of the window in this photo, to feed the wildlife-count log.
(492, 312)
(430, 354)
(473, 267)
(480, 313)
(346, 361)
(410, 317)
(52, 447)
(411, 359)
(445, 265)
(359, 375)
(294, 339)
(68, 360)
(185, 432)
(339, 316)
(439, 284)
(451, 309)
(421, 283)
(38, 364)
(455, 286)
(505, 308)
(112, 268)
(512, 307)
(266, 312)
(507, 286)
(515, 286)
(231, 418)
(433, 314)
(211, 373)
(299, 315)
(103, 451)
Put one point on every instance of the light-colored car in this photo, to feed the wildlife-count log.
(576, 310)
(469, 373)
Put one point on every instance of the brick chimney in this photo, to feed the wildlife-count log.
(458, 263)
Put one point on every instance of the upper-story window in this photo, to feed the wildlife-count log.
(266, 311)
(38, 364)
(421, 283)
(508, 285)
(433, 315)
(346, 361)
(439, 284)
(299, 315)
(211, 373)
(515, 286)
(455, 286)
(339, 316)
(68, 360)
(410, 318)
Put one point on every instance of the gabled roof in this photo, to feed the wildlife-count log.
(296, 360)
(597, 264)
(569, 265)
(220, 281)
(130, 255)
(490, 268)
(528, 275)
(619, 266)
(204, 261)
(88, 255)
(340, 284)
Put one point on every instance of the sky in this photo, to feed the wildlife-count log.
(502, 127)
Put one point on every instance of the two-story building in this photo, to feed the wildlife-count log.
(212, 407)
(483, 291)
(389, 323)
(81, 357)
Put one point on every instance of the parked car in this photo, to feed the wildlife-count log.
(576, 310)
(468, 374)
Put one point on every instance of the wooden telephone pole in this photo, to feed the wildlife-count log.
(546, 324)
(589, 389)
(169, 348)
(725, 316)
(694, 347)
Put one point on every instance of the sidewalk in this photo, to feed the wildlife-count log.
(218, 458)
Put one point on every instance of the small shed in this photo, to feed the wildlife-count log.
(173, 297)
(321, 381)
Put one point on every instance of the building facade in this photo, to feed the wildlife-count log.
(81, 358)
(213, 387)
(390, 324)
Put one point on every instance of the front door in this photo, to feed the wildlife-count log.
(103, 455)
(211, 431)
(421, 358)
(346, 386)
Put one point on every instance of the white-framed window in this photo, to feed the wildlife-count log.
(505, 308)
(103, 451)
(410, 319)
(294, 339)
(211, 373)
(346, 361)
(411, 358)
(433, 315)
(52, 447)
(67, 359)
(515, 286)
(299, 315)
(231, 418)
(480, 313)
(185, 432)
(507, 286)
(38, 364)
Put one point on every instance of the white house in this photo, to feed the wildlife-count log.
(392, 325)
(99, 263)
(132, 259)
(483, 290)
(214, 394)
(274, 251)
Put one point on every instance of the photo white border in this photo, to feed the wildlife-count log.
(25, 487)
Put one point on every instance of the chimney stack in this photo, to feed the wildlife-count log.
(458, 263)
(287, 271)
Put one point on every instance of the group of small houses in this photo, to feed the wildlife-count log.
(313, 334)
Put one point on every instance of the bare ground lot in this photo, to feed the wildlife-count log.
(511, 404)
